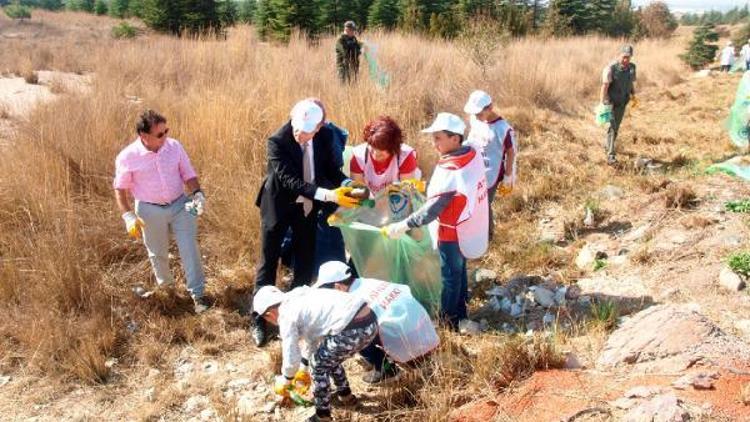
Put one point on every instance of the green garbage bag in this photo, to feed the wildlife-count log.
(738, 167)
(603, 113)
(737, 124)
(377, 75)
(409, 260)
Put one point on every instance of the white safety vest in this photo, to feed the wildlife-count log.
(377, 182)
(405, 328)
(472, 226)
(489, 139)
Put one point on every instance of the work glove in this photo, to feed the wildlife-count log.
(302, 379)
(133, 224)
(282, 386)
(339, 196)
(197, 205)
(395, 230)
(417, 184)
(351, 183)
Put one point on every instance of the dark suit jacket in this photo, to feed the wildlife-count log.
(284, 180)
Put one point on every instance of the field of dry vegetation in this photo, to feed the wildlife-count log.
(67, 267)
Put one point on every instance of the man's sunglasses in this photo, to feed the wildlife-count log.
(162, 134)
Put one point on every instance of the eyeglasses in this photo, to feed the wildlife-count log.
(162, 134)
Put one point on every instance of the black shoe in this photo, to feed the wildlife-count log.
(376, 377)
(611, 160)
(316, 418)
(201, 304)
(259, 331)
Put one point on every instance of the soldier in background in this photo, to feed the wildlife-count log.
(348, 50)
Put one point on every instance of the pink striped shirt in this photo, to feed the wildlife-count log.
(156, 177)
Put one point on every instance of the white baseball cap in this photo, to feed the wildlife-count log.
(478, 100)
(305, 116)
(447, 121)
(332, 272)
(266, 297)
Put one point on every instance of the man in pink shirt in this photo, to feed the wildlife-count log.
(155, 170)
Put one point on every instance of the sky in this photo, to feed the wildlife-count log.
(696, 5)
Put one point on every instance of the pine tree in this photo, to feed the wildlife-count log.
(701, 52)
(384, 14)
(445, 25)
(163, 15)
(262, 18)
(227, 12)
(411, 16)
(118, 8)
(599, 15)
(135, 8)
(333, 14)
(199, 16)
(247, 10)
(285, 15)
(49, 4)
(100, 7)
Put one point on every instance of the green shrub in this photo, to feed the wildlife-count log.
(738, 206)
(701, 52)
(605, 314)
(124, 30)
(17, 11)
(740, 263)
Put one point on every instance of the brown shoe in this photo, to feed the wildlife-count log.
(348, 401)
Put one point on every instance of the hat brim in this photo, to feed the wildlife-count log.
(307, 127)
(472, 109)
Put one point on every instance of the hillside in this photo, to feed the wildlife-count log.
(76, 344)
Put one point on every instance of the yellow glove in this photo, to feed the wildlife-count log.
(341, 197)
(133, 224)
(302, 380)
(415, 183)
(282, 386)
(633, 102)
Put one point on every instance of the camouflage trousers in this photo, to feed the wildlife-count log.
(328, 359)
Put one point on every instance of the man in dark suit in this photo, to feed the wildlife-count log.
(302, 173)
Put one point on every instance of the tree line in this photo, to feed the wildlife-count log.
(278, 19)
(730, 17)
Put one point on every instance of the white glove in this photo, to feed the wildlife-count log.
(396, 230)
(197, 205)
(133, 224)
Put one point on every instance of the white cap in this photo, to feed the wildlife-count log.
(305, 116)
(266, 297)
(478, 100)
(332, 272)
(447, 121)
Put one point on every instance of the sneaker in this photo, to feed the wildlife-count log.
(611, 160)
(201, 304)
(349, 400)
(259, 332)
(316, 418)
(376, 377)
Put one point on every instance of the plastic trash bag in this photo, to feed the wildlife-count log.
(738, 167)
(737, 124)
(603, 114)
(409, 260)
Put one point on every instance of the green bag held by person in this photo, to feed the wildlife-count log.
(603, 113)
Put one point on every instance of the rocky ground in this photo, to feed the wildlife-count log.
(653, 246)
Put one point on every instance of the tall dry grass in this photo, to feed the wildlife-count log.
(67, 266)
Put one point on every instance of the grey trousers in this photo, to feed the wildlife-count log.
(618, 112)
(159, 221)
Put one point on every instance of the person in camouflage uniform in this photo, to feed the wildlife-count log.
(618, 88)
(348, 49)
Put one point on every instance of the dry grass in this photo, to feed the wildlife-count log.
(68, 268)
(679, 196)
(745, 394)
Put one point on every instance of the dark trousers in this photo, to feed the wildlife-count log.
(303, 248)
(455, 283)
(618, 112)
(374, 354)
(490, 198)
(329, 244)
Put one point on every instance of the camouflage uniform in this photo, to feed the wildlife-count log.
(620, 81)
(348, 49)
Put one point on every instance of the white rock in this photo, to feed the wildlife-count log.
(642, 392)
(544, 297)
(588, 218)
(484, 275)
(572, 361)
(183, 370)
(586, 258)
(269, 407)
(245, 405)
(230, 367)
(611, 192)
(730, 280)
(624, 403)
(467, 326)
(4, 379)
(208, 414)
(743, 326)
(498, 291)
(702, 73)
(560, 296)
(110, 363)
(238, 384)
(195, 403)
